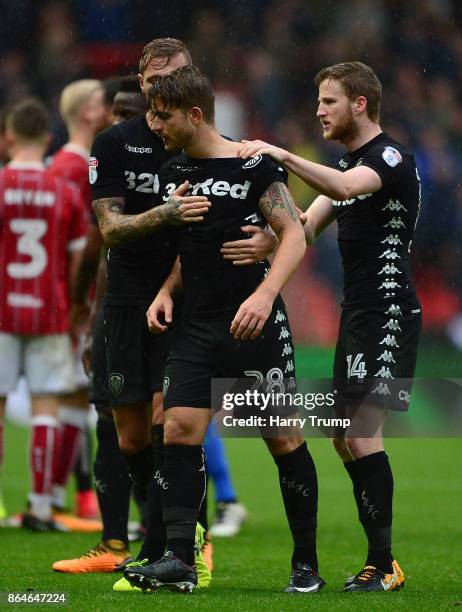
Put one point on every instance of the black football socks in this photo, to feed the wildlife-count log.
(373, 490)
(182, 496)
(155, 539)
(113, 483)
(299, 488)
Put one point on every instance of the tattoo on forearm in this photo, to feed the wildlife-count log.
(277, 198)
(118, 228)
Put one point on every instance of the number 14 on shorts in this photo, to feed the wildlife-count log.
(356, 366)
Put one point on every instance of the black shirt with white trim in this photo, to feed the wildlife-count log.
(375, 230)
(213, 286)
(125, 162)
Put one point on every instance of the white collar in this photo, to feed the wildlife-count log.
(78, 150)
(26, 165)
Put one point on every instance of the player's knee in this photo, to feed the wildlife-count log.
(133, 442)
(356, 446)
(178, 432)
(157, 409)
(341, 448)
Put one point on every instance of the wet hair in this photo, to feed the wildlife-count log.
(357, 79)
(183, 88)
(28, 120)
(163, 48)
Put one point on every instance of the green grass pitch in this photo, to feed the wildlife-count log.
(253, 568)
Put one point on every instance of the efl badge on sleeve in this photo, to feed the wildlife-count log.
(92, 170)
(391, 156)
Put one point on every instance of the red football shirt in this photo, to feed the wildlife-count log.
(71, 164)
(42, 219)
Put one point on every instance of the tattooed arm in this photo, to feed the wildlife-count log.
(278, 208)
(118, 229)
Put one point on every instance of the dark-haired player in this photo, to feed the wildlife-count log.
(113, 483)
(129, 101)
(230, 326)
(375, 197)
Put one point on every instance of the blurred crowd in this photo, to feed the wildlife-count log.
(261, 56)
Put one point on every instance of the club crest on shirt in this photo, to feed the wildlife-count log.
(116, 383)
(252, 162)
(391, 156)
(92, 170)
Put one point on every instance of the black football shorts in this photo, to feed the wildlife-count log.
(99, 394)
(135, 357)
(203, 350)
(376, 354)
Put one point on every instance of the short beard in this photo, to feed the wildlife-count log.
(345, 131)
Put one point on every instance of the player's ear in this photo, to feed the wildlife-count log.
(360, 104)
(10, 138)
(195, 115)
(140, 80)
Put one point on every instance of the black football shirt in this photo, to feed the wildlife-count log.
(375, 230)
(125, 161)
(213, 287)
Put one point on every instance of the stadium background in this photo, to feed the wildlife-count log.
(261, 57)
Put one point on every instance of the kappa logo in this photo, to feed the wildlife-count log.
(165, 385)
(252, 162)
(284, 333)
(394, 310)
(390, 269)
(389, 283)
(392, 239)
(392, 325)
(287, 350)
(289, 367)
(390, 254)
(384, 373)
(386, 356)
(394, 206)
(395, 223)
(116, 383)
(389, 340)
(291, 384)
(343, 164)
(280, 316)
(138, 149)
(382, 389)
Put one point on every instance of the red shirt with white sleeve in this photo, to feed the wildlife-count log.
(42, 220)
